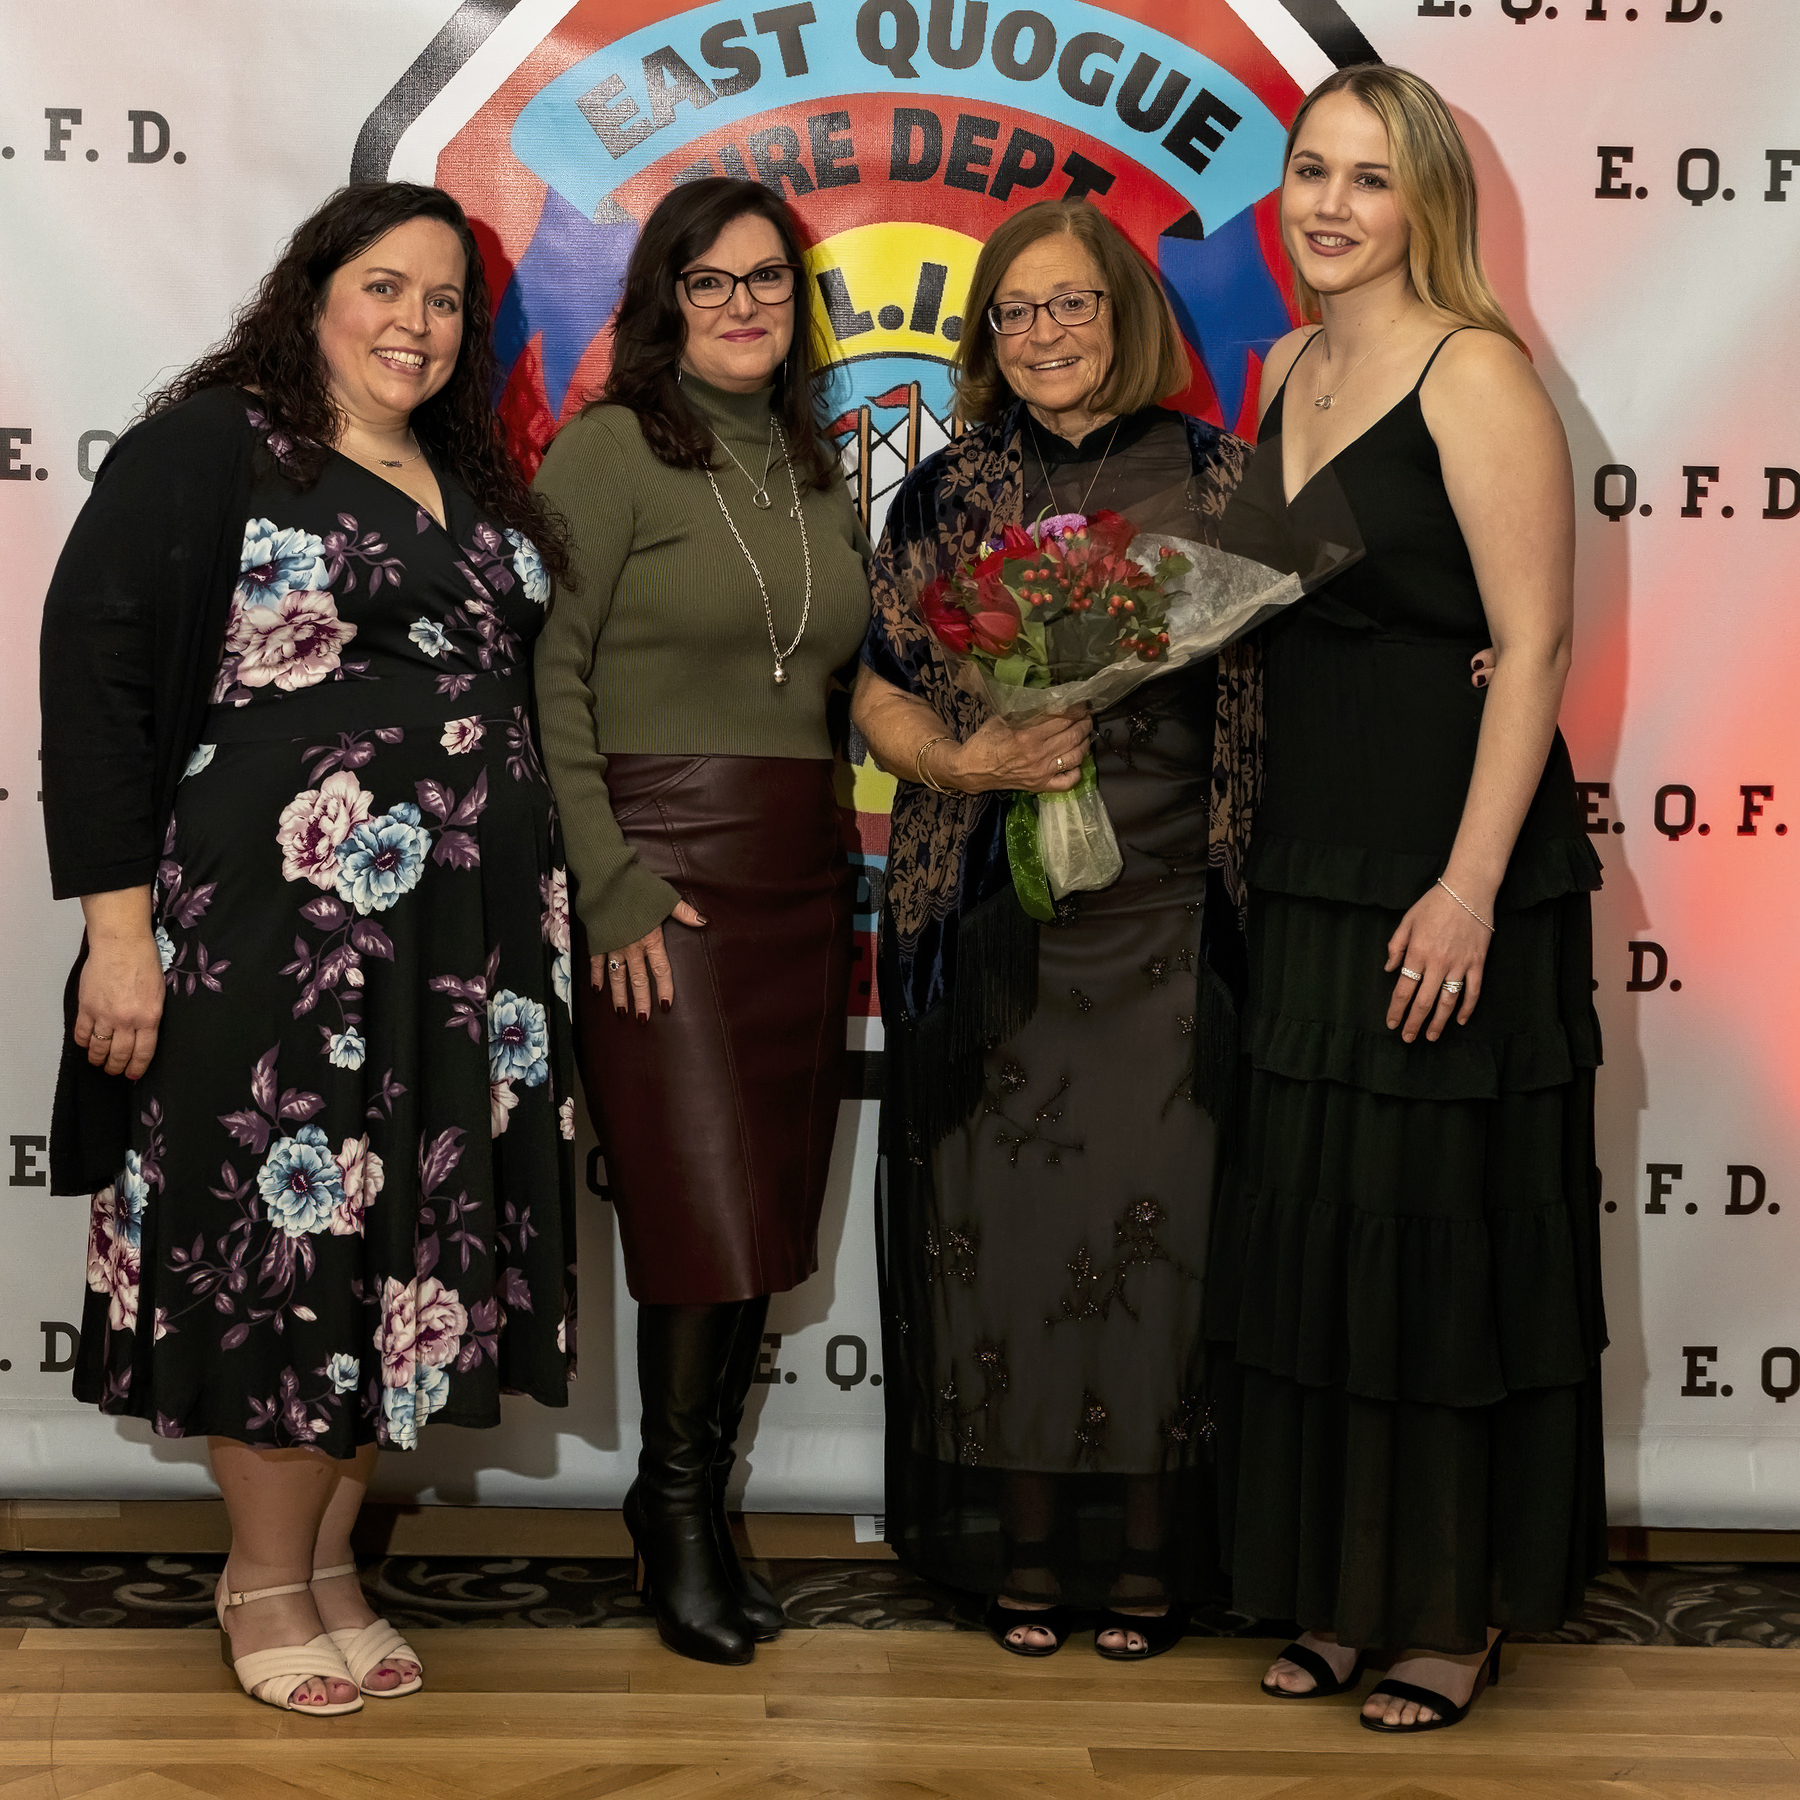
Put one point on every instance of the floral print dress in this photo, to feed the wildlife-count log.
(349, 1203)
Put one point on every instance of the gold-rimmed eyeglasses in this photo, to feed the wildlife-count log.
(769, 284)
(1079, 306)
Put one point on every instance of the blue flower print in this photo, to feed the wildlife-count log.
(399, 1418)
(344, 1372)
(131, 1196)
(301, 1183)
(529, 567)
(165, 948)
(518, 1040)
(202, 758)
(347, 1048)
(429, 636)
(382, 859)
(433, 1390)
(560, 979)
(275, 562)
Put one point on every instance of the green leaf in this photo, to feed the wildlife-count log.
(1025, 857)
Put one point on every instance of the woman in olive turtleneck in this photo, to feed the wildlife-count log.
(682, 678)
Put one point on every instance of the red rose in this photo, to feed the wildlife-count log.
(946, 622)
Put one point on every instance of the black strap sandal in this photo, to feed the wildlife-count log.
(1325, 1683)
(1029, 1556)
(1002, 1621)
(1448, 1712)
(1158, 1631)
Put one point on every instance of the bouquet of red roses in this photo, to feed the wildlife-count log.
(1075, 611)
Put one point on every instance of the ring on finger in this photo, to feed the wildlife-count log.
(100, 1037)
(1412, 974)
(614, 965)
(1453, 987)
(1059, 764)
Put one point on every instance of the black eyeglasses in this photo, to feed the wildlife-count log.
(768, 285)
(1080, 306)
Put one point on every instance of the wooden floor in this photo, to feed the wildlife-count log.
(881, 1715)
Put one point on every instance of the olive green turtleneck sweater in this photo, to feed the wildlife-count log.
(663, 648)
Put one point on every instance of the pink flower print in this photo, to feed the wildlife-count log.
(314, 824)
(463, 735)
(363, 1176)
(293, 643)
(554, 888)
(442, 1320)
(396, 1337)
(501, 1101)
(114, 1267)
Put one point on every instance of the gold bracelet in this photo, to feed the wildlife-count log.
(926, 779)
(1460, 901)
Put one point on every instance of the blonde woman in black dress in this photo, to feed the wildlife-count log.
(1406, 1264)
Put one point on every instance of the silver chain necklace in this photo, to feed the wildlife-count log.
(759, 490)
(1050, 489)
(795, 512)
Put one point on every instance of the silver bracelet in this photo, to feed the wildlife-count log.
(1460, 901)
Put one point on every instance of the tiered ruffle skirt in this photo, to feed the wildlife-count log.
(1404, 1289)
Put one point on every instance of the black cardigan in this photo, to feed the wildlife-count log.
(134, 626)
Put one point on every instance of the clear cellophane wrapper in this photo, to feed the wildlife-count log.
(1271, 555)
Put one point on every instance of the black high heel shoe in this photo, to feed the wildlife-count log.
(1325, 1683)
(1448, 1712)
(754, 1599)
(682, 1354)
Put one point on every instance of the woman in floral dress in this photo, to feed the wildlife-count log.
(319, 1041)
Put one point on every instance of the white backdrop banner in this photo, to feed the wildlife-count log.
(1640, 171)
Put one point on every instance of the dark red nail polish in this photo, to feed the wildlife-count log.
(663, 1004)
(619, 1011)
(643, 1018)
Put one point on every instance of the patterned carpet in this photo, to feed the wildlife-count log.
(1743, 1605)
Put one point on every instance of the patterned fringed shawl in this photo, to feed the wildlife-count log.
(948, 898)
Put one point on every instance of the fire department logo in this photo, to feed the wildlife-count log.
(902, 131)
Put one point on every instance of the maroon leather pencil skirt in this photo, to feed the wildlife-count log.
(717, 1117)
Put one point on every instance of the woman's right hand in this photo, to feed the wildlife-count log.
(628, 973)
(1042, 757)
(119, 1002)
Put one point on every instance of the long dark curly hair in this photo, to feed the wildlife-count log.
(650, 331)
(273, 350)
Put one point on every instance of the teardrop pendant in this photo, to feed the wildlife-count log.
(760, 499)
(780, 675)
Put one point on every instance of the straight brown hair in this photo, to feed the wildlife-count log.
(1435, 181)
(1149, 360)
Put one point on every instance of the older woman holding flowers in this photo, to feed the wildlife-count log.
(1049, 1126)
(318, 1071)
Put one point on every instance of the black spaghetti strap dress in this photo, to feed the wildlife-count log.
(1404, 1289)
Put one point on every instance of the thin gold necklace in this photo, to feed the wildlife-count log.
(1324, 401)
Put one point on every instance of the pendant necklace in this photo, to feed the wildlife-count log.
(794, 512)
(1324, 401)
(401, 462)
(1049, 487)
(759, 490)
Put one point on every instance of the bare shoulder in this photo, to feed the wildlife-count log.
(1479, 374)
(1282, 356)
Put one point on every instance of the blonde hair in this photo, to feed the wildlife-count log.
(1149, 360)
(1435, 182)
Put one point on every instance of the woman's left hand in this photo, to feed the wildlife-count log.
(1438, 942)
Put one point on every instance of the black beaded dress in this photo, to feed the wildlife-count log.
(348, 1205)
(1405, 1276)
(1045, 1260)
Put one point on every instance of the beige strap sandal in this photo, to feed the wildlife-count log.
(365, 1648)
(275, 1676)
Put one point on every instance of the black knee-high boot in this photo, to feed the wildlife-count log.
(682, 1356)
(759, 1606)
